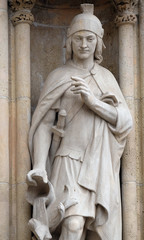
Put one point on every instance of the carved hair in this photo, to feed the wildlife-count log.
(98, 51)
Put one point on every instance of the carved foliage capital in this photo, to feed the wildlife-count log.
(22, 17)
(125, 5)
(125, 9)
(127, 18)
(17, 5)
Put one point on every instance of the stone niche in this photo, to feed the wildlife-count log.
(48, 35)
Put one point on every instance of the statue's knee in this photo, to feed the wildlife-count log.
(74, 224)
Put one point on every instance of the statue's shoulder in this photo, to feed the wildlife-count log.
(58, 72)
(108, 76)
(106, 72)
(55, 77)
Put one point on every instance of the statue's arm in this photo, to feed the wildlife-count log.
(42, 140)
(41, 145)
(104, 110)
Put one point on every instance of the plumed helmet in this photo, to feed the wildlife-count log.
(86, 21)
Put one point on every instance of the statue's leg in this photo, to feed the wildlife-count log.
(72, 228)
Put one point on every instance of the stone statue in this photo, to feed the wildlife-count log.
(76, 140)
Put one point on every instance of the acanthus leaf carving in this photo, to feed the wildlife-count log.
(125, 5)
(17, 5)
(22, 16)
(125, 10)
(125, 19)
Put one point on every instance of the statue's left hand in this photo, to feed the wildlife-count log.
(34, 175)
(79, 86)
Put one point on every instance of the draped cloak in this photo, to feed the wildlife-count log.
(99, 171)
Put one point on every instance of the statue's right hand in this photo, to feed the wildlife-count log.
(34, 174)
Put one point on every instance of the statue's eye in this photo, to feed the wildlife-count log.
(78, 38)
(90, 39)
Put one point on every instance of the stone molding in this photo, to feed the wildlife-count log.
(22, 16)
(125, 10)
(17, 5)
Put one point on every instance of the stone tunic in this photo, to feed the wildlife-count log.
(69, 156)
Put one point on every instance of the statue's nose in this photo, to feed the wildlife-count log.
(84, 43)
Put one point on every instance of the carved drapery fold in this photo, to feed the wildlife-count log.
(125, 11)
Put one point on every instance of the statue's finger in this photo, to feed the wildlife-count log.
(77, 79)
(30, 180)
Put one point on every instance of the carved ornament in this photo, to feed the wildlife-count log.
(125, 5)
(125, 9)
(127, 18)
(17, 5)
(22, 17)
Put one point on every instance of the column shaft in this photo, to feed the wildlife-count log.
(4, 123)
(22, 40)
(141, 44)
(12, 132)
(126, 73)
(141, 41)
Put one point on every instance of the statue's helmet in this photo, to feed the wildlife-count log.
(86, 21)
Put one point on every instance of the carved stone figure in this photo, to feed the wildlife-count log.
(76, 140)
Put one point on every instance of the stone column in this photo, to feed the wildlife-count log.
(141, 41)
(4, 123)
(125, 21)
(22, 19)
(141, 45)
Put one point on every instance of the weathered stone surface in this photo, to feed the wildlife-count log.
(3, 4)
(66, 4)
(129, 210)
(23, 213)
(138, 149)
(140, 210)
(4, 210)
(46, 55)
(13, 209)
(4, 146)
(23, 122)
(22, 38)
(3, 52)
